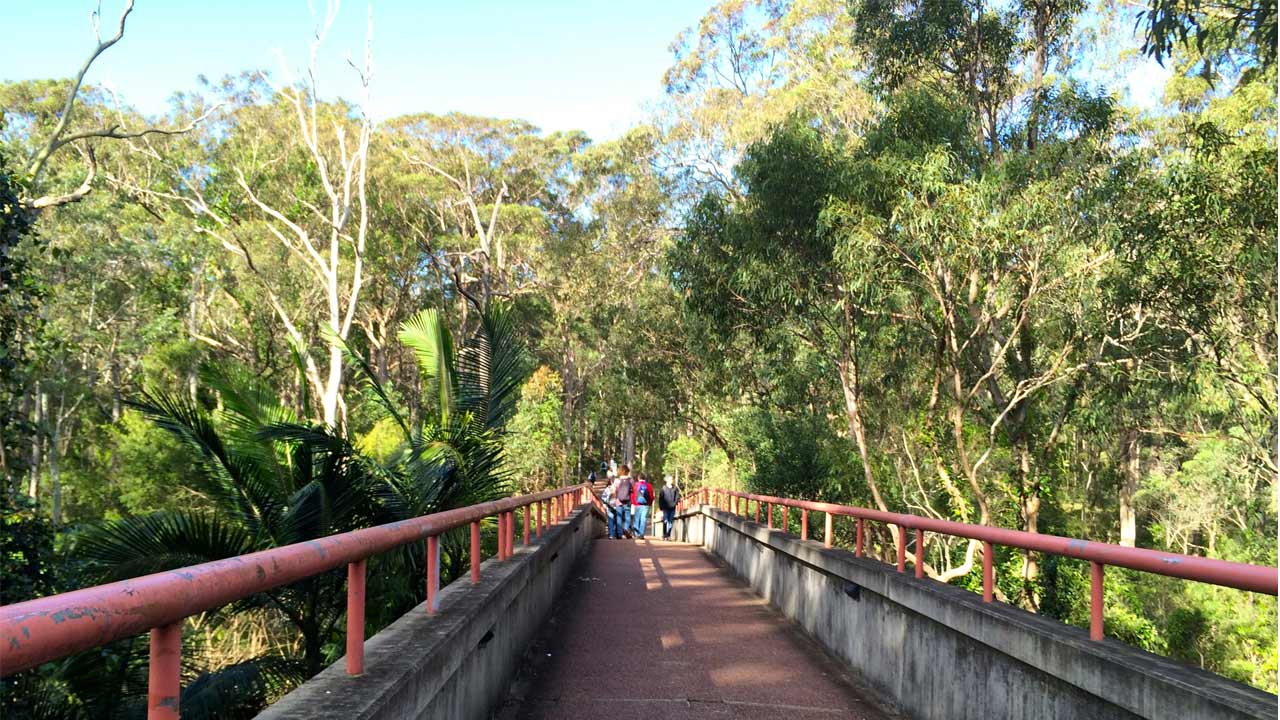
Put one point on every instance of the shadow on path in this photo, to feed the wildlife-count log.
(655, 630)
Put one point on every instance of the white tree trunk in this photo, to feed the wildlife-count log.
(1131, 465)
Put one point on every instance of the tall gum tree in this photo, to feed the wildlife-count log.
(247, 198)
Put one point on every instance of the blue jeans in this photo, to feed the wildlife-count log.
(619, 521)
(668, 519)
(641, 519)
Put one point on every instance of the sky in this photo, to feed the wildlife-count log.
(592, 65)
(569, 64)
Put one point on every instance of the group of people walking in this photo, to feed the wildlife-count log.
(629, 499)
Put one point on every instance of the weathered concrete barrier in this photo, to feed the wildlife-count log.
(458, 662)
(939, 653)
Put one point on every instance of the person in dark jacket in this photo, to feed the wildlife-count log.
(668, 499)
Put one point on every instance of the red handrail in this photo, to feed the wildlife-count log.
(1242, 576)
(49, 628)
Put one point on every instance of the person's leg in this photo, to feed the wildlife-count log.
(641, 516)
(668, 518)
(613, 522)
(626, 521)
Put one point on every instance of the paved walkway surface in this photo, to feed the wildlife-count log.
(655, 630)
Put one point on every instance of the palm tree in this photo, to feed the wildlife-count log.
(267, 479)
(455, 456)
(264, 480)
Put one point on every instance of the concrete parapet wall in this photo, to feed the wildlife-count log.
(939, 653)
(458, 662)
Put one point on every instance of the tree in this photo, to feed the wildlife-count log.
(322, 226)
(535, 449)
(63, 135)
(268, 481)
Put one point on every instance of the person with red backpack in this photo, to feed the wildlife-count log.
(622, 491)
(641, 500)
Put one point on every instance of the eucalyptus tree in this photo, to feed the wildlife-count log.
(747, 66)
(70, 130)
(310, 237)
(492, 194)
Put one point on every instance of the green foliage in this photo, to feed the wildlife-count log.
(683, 460)
(534, 449)
(19, 293)
(26, 550)
(886, 253)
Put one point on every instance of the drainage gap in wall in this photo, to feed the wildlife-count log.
(485, 640)
(853, 590)
(553, 557)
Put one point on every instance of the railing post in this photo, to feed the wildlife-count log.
(355, 617)
(827, 538)
(857, 543)
(1095, 600)
(786, 526)
(506, 535)
(902, 548)
(770, 516)
(542, 516)
(804, 524)
(475, 551)
(164, 675)
(919, 553)
(757, 512)
(526, 524)
(502, 536)
(987, 589)
(433, 571)
(505, 531)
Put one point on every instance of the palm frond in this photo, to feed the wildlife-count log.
(335, 482)
(142, 544)
(491, 369)
(241, 690)
(237, 482)
(368, 382)
(427, 335)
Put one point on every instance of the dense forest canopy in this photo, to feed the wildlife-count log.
(894, 254)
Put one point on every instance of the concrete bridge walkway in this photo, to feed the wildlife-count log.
(655, 630)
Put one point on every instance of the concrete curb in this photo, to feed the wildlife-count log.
(940, 652)
(458, 662)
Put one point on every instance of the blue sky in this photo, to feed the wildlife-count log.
(585, 64)
(567, 64)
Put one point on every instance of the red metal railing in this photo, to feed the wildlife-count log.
(49, 628)
(1241, 576)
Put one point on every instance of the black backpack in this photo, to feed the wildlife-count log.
(670, 497)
